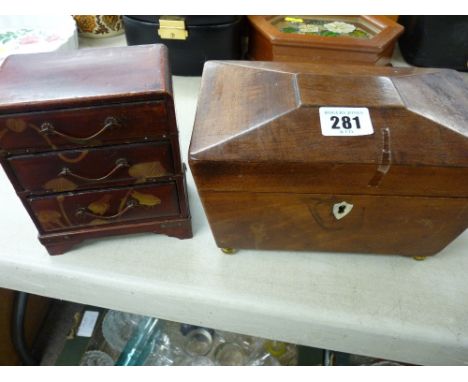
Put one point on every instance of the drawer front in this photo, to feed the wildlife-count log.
(70, 170)
(92, 126)
(109, 206)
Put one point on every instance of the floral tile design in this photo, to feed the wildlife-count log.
(321, 27)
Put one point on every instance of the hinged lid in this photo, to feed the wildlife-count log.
(83, 77)
(352, 33)
(191, 21)
(258, 124)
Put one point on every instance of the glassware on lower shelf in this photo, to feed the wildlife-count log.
(386, 363)
(198, 342)
(118, 327)
(162, 352)
(285, 353)
(141, 343)
(138, 340)
(249, 343)
(187, 328)
(96, 358)
(230, 354)
(197, 361)
(262, 359)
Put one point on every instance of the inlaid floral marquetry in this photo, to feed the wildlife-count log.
(90, 144)
(105, 207)
(60, 171)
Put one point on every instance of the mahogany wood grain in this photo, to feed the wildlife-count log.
(259, 158)
(59, 243)
(355, 179)
(59, 171)
(86, 77)
(89, 140)
(376, 224)
(105, 206)
(260, 48)
(180, 227)
(92, 126)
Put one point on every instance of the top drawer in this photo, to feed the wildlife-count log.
(83, 127)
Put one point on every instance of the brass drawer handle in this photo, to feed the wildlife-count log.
(119, 163)
(48, 129)
(85, 212)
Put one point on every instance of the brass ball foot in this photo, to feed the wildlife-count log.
(419, 258)
(229, 251)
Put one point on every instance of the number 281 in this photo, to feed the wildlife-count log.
(346, 122)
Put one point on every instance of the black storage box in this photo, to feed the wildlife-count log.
(191, 40)
(435, 41)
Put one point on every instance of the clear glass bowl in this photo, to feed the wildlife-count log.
(230, 354)
(96, 358)
(117, 328)
(198, 342)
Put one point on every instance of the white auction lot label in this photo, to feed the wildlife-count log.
(88, 322)
(345, 121)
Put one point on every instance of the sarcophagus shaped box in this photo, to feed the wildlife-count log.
(332, 158)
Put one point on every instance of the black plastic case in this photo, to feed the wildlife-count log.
(209, 38)
(435, 41)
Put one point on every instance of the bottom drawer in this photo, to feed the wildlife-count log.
(107, 206)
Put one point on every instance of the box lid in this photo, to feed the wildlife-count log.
(376, 33)
(258, 127)
(192, 21)
(83, 77)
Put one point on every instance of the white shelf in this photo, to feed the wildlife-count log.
(385, 306)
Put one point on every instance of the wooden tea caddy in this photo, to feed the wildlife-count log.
(90, 143)
(269, 178)
(268, 41)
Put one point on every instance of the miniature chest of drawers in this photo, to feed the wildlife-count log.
(90, 143)
(284, 157)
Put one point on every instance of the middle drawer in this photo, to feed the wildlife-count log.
(80, 169)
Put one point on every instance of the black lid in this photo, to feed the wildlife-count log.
(191, 20)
